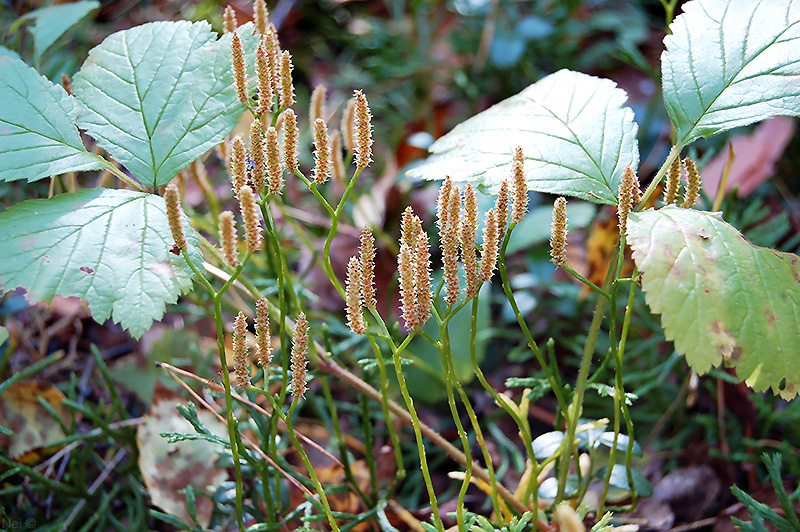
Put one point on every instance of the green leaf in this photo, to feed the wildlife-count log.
(37, 137)
(729, 64)
(52, 22)
(11, 53)
(576, 133)
(3, 335)
(721, 299)
(108, 247)
(159, 95)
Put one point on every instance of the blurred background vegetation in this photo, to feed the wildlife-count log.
(426, 66)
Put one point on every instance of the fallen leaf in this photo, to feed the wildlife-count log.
(170, 467)
(754, 157)
(692, 492)
(34, 429)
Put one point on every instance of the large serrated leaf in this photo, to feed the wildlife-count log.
(52, 22)
(37, 137)
(575, 131)
(159, 95)
(721, 299)
(729, 64)
(108, 247)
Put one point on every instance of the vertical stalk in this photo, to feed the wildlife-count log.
(398, 452)
(591, 341)
(343, 452)
(226, 380)
(303, 456)
(574, 413)
(524, 326)
(369, 447)
(449, 378)
(479, 434)
(423, 459)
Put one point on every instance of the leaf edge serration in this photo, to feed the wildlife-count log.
(726, 336)
(110, 306)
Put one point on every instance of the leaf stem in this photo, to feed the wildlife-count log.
(673, 153)
(573, 414)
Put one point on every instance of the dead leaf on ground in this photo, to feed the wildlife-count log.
(692, 492)
(754, 159)
(601, 242)
(170, 467)
(600, 245)
(34, 429)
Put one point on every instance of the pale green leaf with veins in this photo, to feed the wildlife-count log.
(108, 247)
(159, 95)
(37, 136)
(575, 131)
(729, 64)
(721, 299)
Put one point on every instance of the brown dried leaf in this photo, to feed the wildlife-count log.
(754, 157)
(170, 467)
(33, 427)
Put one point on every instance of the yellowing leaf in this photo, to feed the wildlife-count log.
(33, 427)
(721, 299)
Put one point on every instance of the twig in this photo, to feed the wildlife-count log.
(252, 405)
(695, 525)
(96, 484)
(245, 439)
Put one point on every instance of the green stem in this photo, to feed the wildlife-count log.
(479, 434)
(344, 454)
(232, 425)
(591, 340)
(369, 446)
(326, 250)
(398, 452)
(673, 153)
(585, 281)
(121, 176)
(300, 451)
(574, 413)
(621, 405)
(31, 370)
(283, 280)
(423, 459)
(449, 378)
(315, 191)
(524, 326)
